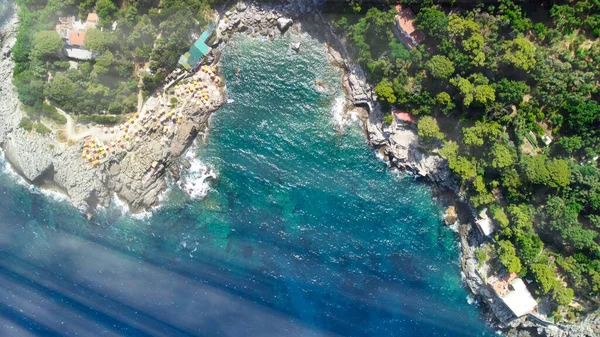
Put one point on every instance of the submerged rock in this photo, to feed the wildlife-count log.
(295, 46)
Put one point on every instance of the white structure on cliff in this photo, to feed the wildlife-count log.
(484, 223)
(514, 294)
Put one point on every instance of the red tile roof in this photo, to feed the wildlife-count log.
(406, 19)
(404, 116)
(76, 38)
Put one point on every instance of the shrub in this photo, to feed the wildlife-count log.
(99, 119)
(51, 112)
(388, 119)
(26, 124)
(42, 129)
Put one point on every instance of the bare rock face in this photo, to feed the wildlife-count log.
(185, 136)
(30, 154)
(10, 114)
(85, 185)
(175, 171)
(357, 91)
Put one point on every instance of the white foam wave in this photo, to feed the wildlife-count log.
(195, 182)
(51, 194)
(337, 110)
(7, 169)
(124, 210)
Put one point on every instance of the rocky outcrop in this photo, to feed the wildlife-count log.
(10, 114)
(30, 153)
(85, 186)
(188, 131)
(283, 24)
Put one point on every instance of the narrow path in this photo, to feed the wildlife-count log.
(72, 134)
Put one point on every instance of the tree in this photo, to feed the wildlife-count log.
(482, 196)
(95, 40)
(500, 217)
(466, 33)
(484, 95)
(432, 21)
(463, 167)
(478, 134)
(562, 295)
(47, 43)
(385, 91)
(428, 128)
(535, 169)
(440, 67)
(474, 89)
(510, 92)
(519, 53)
(570, 144)
(502, 156)
(445, 101)
(465, 88)
(508, 256)
(106, 9)
(559, 172)
(544, 277)
(103, 63)
(63, 91)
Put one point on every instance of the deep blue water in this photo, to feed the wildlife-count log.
(304, 233)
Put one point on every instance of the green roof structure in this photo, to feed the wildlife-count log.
(197, 51)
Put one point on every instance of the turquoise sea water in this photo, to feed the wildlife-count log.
(303, 233)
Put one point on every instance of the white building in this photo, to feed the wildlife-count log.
(514, 294)
(485, 224)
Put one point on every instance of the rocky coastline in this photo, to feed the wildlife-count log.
(399, 146)
(42, 159)
(137, 173)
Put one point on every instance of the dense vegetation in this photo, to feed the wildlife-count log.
(498, 77)
(145, 39)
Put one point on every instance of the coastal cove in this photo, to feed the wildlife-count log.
(304, 232)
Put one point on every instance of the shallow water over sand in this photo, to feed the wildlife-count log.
(304, 232)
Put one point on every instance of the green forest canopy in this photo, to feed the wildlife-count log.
(110, 82)
(508, 73)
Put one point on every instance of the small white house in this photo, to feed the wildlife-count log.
(485, 224)
(547, 140)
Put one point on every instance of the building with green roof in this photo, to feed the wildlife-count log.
(197, 51)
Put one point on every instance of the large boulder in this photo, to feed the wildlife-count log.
(283, 24)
